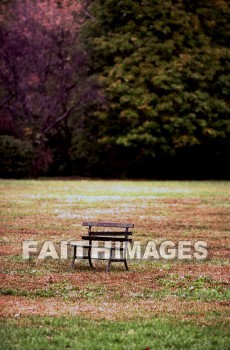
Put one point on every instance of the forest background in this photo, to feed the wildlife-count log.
(114, 89)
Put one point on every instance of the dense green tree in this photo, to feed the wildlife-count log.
(16, 157)
(164, 67)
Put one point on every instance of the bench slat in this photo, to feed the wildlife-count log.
(103, 239)
(80, 245)
(117, 260)
(107, 224)
(112, 233)
(101, 258)
(95, 247)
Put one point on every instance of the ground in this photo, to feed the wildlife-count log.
(163, 304)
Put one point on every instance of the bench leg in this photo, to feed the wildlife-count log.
(108, 266)
(109, 262)
(126, 265)
(90, 260)
(74, 256)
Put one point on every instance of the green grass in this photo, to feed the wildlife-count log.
(61, 290)
(75, 333)
(186, 287)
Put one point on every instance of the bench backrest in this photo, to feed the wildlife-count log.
(107, 224)
(108, 235)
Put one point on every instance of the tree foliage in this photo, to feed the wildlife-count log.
(16, 157)
(43, 70)
(165, 70)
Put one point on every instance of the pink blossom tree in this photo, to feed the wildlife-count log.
(43, 68)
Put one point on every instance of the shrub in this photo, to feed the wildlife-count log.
(16, 157)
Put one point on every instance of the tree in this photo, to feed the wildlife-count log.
(16, 157)
(164, 68)
(43, 71)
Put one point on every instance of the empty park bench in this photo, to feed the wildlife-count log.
(101, 232)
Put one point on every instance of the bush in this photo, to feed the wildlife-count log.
(16, 157)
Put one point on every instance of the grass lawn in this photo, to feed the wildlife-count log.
(158, 304)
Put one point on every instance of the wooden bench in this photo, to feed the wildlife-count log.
(105, 235)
